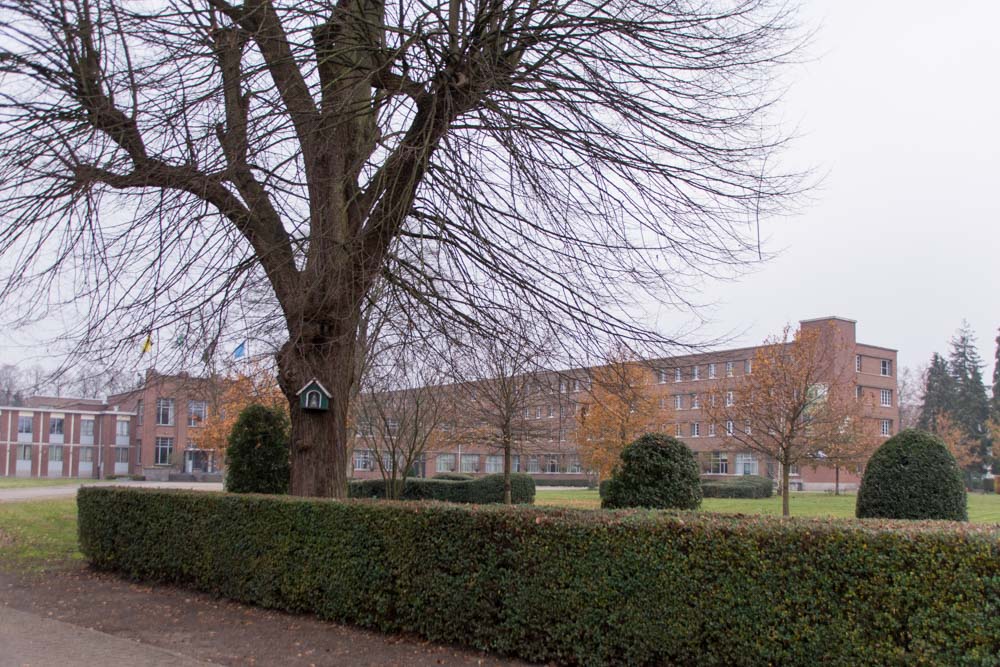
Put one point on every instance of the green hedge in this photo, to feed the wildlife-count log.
(630, 587)
(488, 489)
(579, 483)
(743, 486)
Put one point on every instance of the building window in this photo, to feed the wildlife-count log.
(138, 413)
(886, 367)
(392, 426)
(719, 463)
(196, 412)
(677, 375)
(138, 452)
(55, 453)
(86, 455)
(729, 369)
(515, 463)
(696, 372)
(746, 427)
(678, 429)
(121, 428)
(445, 463)
(678, 402)
(886, 427)
(886, 398)
(494, 464)
(695, 429)
(388, 464)
(747, 366)
(661, 376)
(87, 428)
(552, 412)
(858, 392)
(470, 462)
(363, 459)
(730, 399)
(24, 425)
(746, 464)
(164, 412)
(729, 427)
(533, 464)
(56, 426)
(857, 363)
(551, 464)
(164, 448)
(575, 466)
(663, 402)
(121, 454)
(711, 371)
(695, 402)
(711, 429)
(24, 452)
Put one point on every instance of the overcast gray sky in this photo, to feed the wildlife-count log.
(901, 111)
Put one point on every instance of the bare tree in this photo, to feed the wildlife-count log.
(910, 384)
(205, 171)
(503, 381)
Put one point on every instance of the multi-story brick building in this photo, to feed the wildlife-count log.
(677, 384)
(151, 430)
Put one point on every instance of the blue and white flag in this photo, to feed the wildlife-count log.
(240, 351)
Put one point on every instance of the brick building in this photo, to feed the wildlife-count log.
(549, 454)
(151, 431)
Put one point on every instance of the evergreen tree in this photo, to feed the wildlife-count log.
(940, 393)
(995, 408)
(972, 406)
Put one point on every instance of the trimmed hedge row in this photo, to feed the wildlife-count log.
(744, 486)
(577, 587)
(488, 489)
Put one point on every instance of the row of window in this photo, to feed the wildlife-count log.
(197, 411)
(86, 454)
(663, 374)
(695, 429)
(364, 459)
(57, 426)
(885, 366)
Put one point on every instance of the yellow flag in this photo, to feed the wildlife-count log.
(148, 345)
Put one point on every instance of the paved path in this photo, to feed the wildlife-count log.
(27, 639)
(69, 490)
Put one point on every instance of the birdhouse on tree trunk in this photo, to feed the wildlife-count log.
(314, 396)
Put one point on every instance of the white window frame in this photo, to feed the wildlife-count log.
(86, 428)
(677, 375)
(678, 430)
(55, 453)
(718, 463)
(885, 398)
(711, 371)
(886, 367)
(57, 425)
(120, 425)
(748, 367)
(696, 372)
(711, 429)
(168, 405)
(695, 429)
(729, 427)
(886, 427)
(730, 399)
(444, 463)
(470, 463)
(552, 464)
(533, 466)
(86, 454)
(494, 464)
(161, 445)
(20, 424)
(661, 376)
(857, 363)
(121, 454)
(363, 459)
(678, 401)
(729, 369)
(695, 402)
(197, 412)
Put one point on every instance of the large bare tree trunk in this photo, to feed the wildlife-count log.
(836, 480)
(320, 442)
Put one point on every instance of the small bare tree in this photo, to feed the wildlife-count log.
(207, 170)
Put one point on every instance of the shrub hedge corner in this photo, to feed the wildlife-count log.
(742, 486)
(631, 587)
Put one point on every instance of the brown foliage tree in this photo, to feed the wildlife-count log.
(254, 169)
(618, 408)
(794, 404)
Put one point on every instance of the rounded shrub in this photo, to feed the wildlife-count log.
(454, 476)
(912, 476)
(257, 460)
(656, 471)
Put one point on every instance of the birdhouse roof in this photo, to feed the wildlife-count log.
(316, 382)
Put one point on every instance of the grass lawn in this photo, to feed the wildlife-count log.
(25, 482)
(38, 535)
(983, 508)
